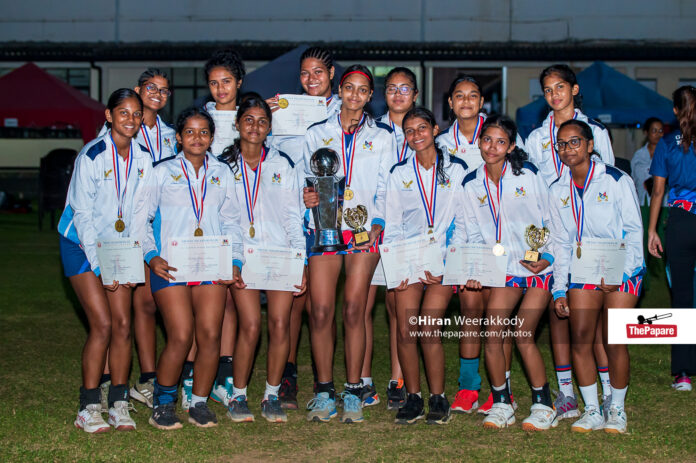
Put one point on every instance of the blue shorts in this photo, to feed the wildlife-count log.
(157, 283)
(73, 257)
(543, 281)
(633, 285)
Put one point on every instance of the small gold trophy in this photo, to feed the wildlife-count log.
(536, 238)
(355, 218)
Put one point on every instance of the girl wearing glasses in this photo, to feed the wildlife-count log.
(266, 187)
(316, 77)
(562, 93)
(594, 200)
(365, 149)
(674, 163)
(653, 129)
(401, 92)
(502, 198)
(105, 197)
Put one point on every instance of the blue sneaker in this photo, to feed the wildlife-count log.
(321, 408)
(221, 393)
(352, 408)
(186, 394)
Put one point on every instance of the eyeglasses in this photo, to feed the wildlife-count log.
(573, 143)
(657, 130)
(152, 88)
(403, 89)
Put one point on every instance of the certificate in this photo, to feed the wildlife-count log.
(273, 268)
(200, 258)
(121, 259)
(225, 131)
(297, 113)
(599, 258)
(378, 278)
(409, 259)
(475, 262)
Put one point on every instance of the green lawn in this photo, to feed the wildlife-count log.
(42, 336)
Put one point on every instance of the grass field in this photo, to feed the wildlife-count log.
(42, 337)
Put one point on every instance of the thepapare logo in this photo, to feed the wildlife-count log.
(645, 328)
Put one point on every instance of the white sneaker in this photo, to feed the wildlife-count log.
(222, 393)
(119, 417)
(540, 419)
(500, 416)
(591, 420)
(143, 392)
(186, 392)
(90, 419)
(616, 423)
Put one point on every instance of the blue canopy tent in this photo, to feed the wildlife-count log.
(607, 95)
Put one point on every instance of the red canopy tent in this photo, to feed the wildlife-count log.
(37, 99)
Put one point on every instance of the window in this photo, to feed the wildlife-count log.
(187, 86)
(650, 83)
(691, 82)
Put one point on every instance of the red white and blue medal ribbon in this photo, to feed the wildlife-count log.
(400, 153)
(495, 208)
(121, 195)
(557, 163)
(577, 204)
(156, 155)
(252, 193)
(477, 132)
(429, 203)
(348, 152)
(197, 208)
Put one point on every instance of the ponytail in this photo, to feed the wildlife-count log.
(684, 99)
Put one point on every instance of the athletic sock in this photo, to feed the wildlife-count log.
(270, 390)
(508, 383)
(501, 394)
(618, 396)
(224, 369)
(564, 373)
(542, 395)
(236, 392)
(589, 396)
(604, 379)
(163, 394)
(469, 377)
(327, 387)
(89, 396)
(105, 378)
(367, 380)
(290, 370)
(354, 388)
(117, 392)
(187, 371)
(147, 376)
(196, 399)
(441, 395)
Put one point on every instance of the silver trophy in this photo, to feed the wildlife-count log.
(327, 215)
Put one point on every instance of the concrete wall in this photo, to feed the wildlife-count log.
(334, 20)
(27, 153)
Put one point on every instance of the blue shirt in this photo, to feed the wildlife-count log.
(679, 168)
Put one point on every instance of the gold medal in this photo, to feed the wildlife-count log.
(119, 225)
(198, 232)
(252, 232)
(430, 230)
(283, 103)
(348, 194)
(578, 252)
(498, 249)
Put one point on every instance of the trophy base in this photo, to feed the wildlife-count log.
(360, 237)
(531, 257)
(329, 248)
(328, 240)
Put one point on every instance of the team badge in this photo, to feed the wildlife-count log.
(546, 145)
(176, 178)
(367, 145)
(452, 151)
(141, 172)
(565, 201)
(167, 142)
(482, 200)
(327, 142)
(445, 183)
(602, 197)
(276, 178)
(520, 192)
(407, 184)
(107, 173)
(215, 180)
(238, 177)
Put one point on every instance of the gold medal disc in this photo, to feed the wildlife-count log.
(252, 231)
(283, 103)
(119, 225)
(348, 194)
(578, 252)
(498, 250)
(198, 232)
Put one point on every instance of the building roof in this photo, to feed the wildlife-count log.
(402, 51)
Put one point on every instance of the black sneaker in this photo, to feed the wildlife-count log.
(202, 416)
(164, 417)
(396, 395)
(412, 410)
(288, 393)
(439, 410)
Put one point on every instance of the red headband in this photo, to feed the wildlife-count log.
(354, 72)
